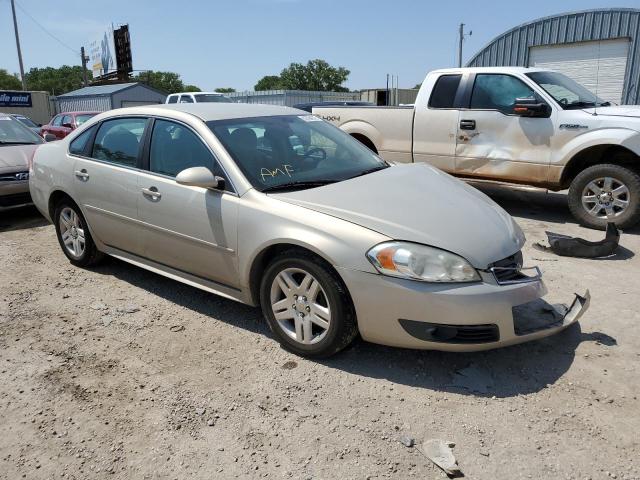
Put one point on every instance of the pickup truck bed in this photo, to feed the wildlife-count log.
(395, 145)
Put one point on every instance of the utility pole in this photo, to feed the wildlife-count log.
(461, 40)
(84, 59)
(15, 28)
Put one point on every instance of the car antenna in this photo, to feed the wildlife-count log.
(595, 100)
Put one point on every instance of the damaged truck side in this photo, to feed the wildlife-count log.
(516, 125)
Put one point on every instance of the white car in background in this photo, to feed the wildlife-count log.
(198, 97)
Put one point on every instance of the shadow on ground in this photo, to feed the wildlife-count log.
(504, 372)
(21, 219)
(534, 204)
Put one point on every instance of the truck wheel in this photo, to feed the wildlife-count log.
(606, 193)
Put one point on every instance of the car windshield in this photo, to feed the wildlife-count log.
(12, 132)
(80, 119)
(567, 92)
(292, 152)
(26, 121)
(209, 98)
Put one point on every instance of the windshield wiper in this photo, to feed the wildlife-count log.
(370, 170)
(3, 142)
(295, 185)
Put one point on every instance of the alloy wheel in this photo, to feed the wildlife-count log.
(300, 306)
(72, 232)
(605, 197)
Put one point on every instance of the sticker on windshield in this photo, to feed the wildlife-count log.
(309, 118)
(286, 170)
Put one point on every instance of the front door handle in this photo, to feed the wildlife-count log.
(152, 192)
(467, 124)
(81, 174)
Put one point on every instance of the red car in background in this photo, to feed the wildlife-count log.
(64, 123)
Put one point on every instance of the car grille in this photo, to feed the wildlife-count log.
(441, 333)
(14, 177)
(511, 266)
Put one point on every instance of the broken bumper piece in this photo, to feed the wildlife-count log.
(501, 310)
(540, 316)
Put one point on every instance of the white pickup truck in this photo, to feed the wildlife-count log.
(516, 125)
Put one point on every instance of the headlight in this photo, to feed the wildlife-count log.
(420, 262)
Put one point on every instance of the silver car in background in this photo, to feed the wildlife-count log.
(18, 144)
(274, 207)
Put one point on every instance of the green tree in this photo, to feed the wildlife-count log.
(315, 75)
(56, 81)
(225, 90)
(168, 82)
(417, 87)
(269, 82)
(8, 81)
(191, 88)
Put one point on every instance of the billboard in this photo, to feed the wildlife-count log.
(103, 54)
(15, 99)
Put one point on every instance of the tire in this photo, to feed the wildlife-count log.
(622, 180)
(71, 227)
(328, 322)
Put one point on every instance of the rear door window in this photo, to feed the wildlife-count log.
(172, 99)
(118, 141)
(79, 145)
(444, 91)
(186, 99)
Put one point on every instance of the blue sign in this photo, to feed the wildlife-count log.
(15, 99)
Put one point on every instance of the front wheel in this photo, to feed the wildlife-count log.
(306, 305)
(606, 193)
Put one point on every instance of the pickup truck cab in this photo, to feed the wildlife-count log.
(515, 125)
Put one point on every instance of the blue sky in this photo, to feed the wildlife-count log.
(233, 43)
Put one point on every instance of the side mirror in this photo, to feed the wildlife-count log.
(199, 177)
(67, 125)
(531, 107)
(49, 137)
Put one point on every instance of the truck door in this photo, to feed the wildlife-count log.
(493, 142)
(435, 123)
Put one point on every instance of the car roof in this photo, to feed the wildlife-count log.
(78, 113)
(490, 69)
(197, 93)
(210, 111)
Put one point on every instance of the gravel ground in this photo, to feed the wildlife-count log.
(119, 373)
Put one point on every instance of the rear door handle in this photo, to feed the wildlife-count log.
(81, 174)
(152, 192)
(467, 124)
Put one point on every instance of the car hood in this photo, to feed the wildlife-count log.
(12, 156)
(616, 111)
(421, 204)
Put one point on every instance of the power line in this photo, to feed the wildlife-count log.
(75, 52)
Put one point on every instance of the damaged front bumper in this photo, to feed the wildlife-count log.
(501, 310)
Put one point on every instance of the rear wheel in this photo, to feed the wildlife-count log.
(74, 236)
(606, 193)
(306, 305)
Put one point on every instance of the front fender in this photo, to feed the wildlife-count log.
(624, 137)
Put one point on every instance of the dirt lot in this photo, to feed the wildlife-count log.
(95, 384)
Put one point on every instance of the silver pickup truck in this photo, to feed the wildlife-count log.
(517, 125)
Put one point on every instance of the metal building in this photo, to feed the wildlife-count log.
(598, 48)
(106, 97)
(290, 97)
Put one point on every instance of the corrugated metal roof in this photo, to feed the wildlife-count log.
(99, 90)
(512, 47)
